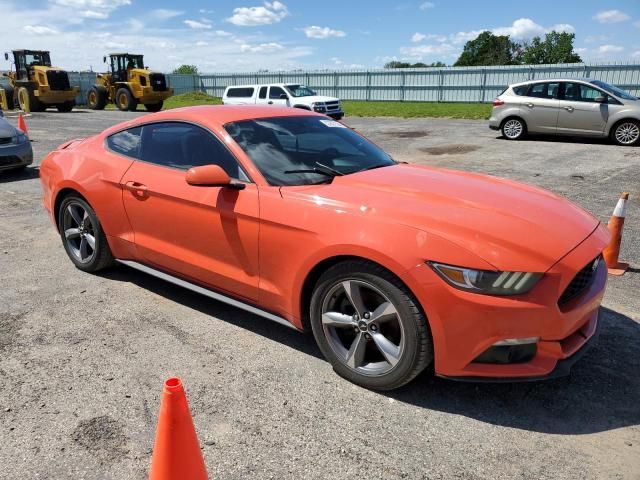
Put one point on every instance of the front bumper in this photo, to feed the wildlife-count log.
(464, 325)
(149, 95)
(15, 156)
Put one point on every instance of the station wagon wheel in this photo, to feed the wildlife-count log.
(82, 235)
(513, 129)
(369, 327)
(626, 133)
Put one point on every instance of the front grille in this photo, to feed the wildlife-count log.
(5, 140)
(333, 106)
(158, 82)
(580, 282)
(10, 160)
(58, 80)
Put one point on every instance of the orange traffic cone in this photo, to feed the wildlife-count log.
(22, 125)
(615, 225)
(176, 452)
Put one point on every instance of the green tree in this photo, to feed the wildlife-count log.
(187, 69)
(489, 49)
(557, 47)
(397, 64)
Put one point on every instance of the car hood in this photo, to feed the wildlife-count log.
(513, 226)
(6, 129)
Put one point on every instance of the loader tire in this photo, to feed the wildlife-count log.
(97, 98)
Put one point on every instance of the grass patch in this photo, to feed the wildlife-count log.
(473, 111)
(190, 99)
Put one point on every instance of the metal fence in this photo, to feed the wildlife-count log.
(448, 84)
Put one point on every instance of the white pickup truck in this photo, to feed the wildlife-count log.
(283, 94)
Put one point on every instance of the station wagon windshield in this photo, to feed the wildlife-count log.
(305, 150)
(300, 91)
(614, 90)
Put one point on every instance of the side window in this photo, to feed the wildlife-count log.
(126, 142)
(244, 92)
(182, 145)
(578, 92)
(544, 90)
(275, 92)
(263, 92)
(521, 90)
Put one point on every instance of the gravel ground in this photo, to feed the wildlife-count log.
(83, 357)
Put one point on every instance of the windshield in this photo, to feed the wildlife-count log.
(37, 58)
(300, 91)
(323, 148)
(618, 92)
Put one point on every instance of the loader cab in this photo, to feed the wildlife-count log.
(120, 63)
(25, 60)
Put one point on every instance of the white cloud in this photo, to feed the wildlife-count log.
(222, 33)
(96, 9)
(418, 37)
(197, 25)
(610, 49)
(322, 32)
(39, 30)
(201, 43)
(563, 27)
(636, 54)
(426, 5)
(611, 16)
(262, 48)
(164, 14)
(94, 14)
(271, 12)
(419, 51)
(521, 28)
(464, 37)
(596, 38)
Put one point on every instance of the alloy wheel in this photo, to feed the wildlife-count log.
(512, 128)
(79, 232)
(627, 133)
(362, 327)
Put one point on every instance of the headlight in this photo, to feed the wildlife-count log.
(486, 282)
(21, 137)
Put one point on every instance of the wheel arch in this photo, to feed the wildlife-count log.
(617, 122)
(60, 196)
(517, 117)
(303, 107)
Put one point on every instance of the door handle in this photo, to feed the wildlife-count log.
(569, 109)
(270, 102)
(136, 187)
(530, 105)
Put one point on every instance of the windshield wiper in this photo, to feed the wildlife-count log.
(321, 169)
(379, 165)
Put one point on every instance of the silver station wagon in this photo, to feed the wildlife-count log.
(567, 107)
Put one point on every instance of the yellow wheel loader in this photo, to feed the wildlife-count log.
(127, 84)
(36, 85)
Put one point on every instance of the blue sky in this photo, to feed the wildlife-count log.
(246, 35)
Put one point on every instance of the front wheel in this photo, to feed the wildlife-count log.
(66, 106)
(125, 101)
(154, 107)
(82, 235)
(369, 326)
(626, 133)
(513, 129)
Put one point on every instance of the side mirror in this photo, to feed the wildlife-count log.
(601, 99)
(211, 176)
(284, 97)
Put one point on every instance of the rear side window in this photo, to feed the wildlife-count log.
(126, 142)
(521, 90)
(544, 90)
(240, 92)
(263, 92)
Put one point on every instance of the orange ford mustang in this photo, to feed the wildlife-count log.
(296, 218)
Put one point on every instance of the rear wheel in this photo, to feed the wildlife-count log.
(369, 326)
(154, 107)
(626, 133)
(9, 94)
(125, 101)
(66, 106)
(82, 235)
(97, 98)
(513, 129)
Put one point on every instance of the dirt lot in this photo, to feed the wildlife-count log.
(83, 357)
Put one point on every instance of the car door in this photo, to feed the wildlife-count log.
(262, 95)
(275, 94)
(539, 108)
(204, 233)
(579, 112)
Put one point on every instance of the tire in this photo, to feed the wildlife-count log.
(404, 334)
(28, 101)
(154, 107)
(78, 223)
(125, 101)
(626, 133)
(513, 128)
(97, 98)
(66, 106)
(8, 90)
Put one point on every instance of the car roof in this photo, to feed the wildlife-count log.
(215, 115)
(541, 80)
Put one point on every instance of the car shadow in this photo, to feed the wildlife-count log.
(537, 137)
(601, 393)
(28, 173)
